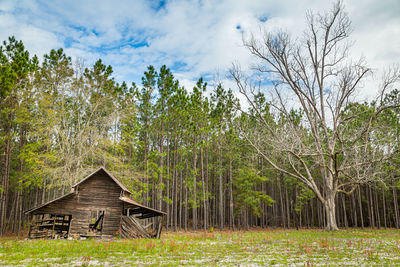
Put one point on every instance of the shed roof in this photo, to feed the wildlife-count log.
(47, 203)
(145, 211)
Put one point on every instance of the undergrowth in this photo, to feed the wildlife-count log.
(269, 247)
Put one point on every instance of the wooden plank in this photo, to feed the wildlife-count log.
(131, 228)
(160, 223)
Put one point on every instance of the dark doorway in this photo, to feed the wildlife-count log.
(96, 221)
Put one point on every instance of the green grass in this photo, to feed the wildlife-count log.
(269, 247)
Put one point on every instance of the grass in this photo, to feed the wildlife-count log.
(270, 247)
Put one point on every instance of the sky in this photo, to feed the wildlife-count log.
(194, 38)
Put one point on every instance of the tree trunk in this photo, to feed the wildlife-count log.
(167, 187)
(204, 190)
(395, 204)
(281, 201)
(186, 200)
(208, 211)
(194, 208)
(360, 207)
(353, 202)
(221, 190)
(312, 213)
(344, 212)
(160, 182)
(16, 215)
(377, 213)
(370, 206)
(231, 218)
(287, 205)
(175, 186)
(319, 215)
(180, 196)
(5, 184)
(44, 191)
(329, 206)
(384, 207)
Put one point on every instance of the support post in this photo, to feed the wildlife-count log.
(30, 219)
(160, 226)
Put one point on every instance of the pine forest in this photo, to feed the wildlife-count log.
(201, 155)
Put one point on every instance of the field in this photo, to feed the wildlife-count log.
(270, 247)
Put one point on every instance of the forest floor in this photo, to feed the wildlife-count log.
(277, 247)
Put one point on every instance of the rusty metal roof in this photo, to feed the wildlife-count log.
(108, 174)
(133, 202)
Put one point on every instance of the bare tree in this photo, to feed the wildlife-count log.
(330, 149)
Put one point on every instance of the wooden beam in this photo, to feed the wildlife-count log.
(160, 223)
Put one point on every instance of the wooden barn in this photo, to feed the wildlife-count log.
(98, 206)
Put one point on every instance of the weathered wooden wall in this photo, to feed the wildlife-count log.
(97, 193)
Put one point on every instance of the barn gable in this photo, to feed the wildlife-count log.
(103, 171)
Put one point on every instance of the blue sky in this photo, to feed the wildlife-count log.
(194, 38)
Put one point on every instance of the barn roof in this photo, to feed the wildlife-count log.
(47, 203)
(102, 169)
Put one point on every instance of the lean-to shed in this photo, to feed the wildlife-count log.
(98, 206)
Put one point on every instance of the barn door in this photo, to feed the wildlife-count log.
(96, 221)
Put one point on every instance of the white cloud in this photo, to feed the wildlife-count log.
(200, 36)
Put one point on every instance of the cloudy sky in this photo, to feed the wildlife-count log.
(194, 38)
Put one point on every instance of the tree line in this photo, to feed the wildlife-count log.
(198, 154)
